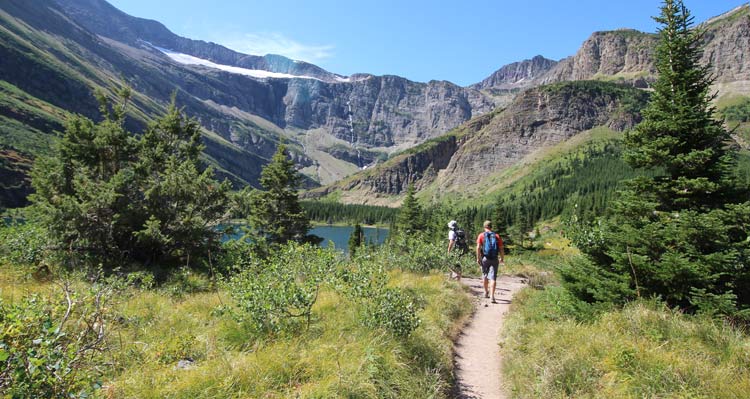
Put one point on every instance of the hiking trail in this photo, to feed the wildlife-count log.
(477, 352)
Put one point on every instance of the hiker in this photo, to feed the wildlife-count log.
(490, 253)
(457, 244)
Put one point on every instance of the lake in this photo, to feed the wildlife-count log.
(339, 235)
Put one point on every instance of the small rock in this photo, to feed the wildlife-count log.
(185, 364)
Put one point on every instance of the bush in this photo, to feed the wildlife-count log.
(394, 310)
(23, 243)
(415, 253)
(48, 347)
(273, 294)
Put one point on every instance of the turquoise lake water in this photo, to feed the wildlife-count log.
(339, 235)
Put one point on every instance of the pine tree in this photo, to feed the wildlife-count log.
(679, 133)
(674, 233)
(110, 196)
(356, 239)
(275, 214)
(409, 219)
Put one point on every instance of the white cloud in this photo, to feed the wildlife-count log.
(275, 43)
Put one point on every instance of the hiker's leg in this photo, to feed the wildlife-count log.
(484, 276)
(493, 276)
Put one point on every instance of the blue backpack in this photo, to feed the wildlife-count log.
(490, 245)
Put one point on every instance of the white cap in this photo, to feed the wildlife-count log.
(452, 224)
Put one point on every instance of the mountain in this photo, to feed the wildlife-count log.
(467, 161)
(105, 20)
(509, 80)
(55, 53)
(626, 56)
(546, 104)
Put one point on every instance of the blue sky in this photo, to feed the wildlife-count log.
(460, 41)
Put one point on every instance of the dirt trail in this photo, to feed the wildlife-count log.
(478, 356)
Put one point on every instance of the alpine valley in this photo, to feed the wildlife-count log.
(361, 138)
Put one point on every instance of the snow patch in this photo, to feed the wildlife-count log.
(187, 59)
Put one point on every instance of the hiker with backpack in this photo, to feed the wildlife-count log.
(457, 244)
(490, 253)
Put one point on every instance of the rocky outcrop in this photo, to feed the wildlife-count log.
(624, 54)
(517, 75)
(538, 118)
(419, 166)
(727, 48)
(627, 56)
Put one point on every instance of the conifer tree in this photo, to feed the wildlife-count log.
(356, 239)
(409, 219)
(275, 214)
(674, 233)
(110, 196)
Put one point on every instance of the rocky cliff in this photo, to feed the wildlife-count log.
(61, 50)
(467, 157)
(539, 118)
(727, 48)
(626, 56)
(518, 75)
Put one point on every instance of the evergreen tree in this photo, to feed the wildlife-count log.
(356, 239)
(115, 197)
(673, 234)
(409, 219)
(275, 214)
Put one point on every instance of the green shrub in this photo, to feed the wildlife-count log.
(394, 310)
(49, 346)
(415, 253)
(273, 294)
(23, 243)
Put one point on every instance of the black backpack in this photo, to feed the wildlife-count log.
(461, 240)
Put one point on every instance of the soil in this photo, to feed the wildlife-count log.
(478, 356)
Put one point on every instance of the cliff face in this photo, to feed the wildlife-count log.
(381, 111)
(538, 118)
(517, 75)
(625, 54)
(419, 167)
(727, 48)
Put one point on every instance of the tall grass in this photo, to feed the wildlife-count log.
(152, 330)
(558, 347)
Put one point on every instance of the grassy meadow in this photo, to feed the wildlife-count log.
(182, 340)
